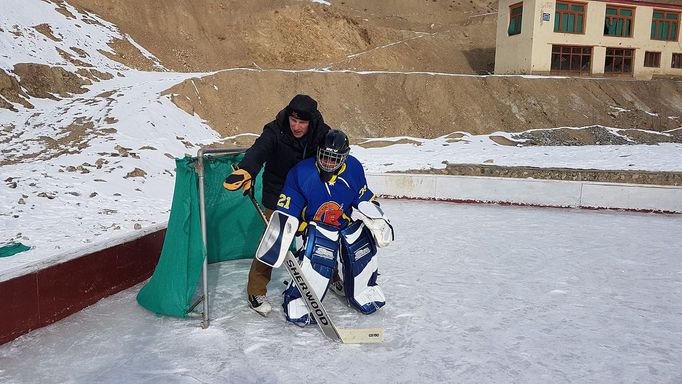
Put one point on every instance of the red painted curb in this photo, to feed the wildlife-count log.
(509, 203)
(43, 297)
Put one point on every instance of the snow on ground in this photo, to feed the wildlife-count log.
(66, 203)
(81, 35)
(480, 149)
(476, 294)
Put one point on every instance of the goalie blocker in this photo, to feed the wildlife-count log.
(277, 238)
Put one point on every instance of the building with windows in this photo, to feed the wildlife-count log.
(589, 38)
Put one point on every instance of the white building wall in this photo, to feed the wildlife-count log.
(515, 55)
(537, 37)
(667, 48)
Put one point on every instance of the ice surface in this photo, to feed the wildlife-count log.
(476, 294)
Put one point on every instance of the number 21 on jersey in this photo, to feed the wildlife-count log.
(284, 201)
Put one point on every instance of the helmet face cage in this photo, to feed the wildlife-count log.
(329, 159)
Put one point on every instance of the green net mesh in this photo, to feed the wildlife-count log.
(233, 231)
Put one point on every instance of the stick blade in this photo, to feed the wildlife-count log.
(361, 335)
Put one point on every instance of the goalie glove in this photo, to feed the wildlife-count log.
(376, 221)
(238, 179)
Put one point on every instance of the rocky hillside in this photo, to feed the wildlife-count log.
(435, 35)
(425, 105)
(382, 68)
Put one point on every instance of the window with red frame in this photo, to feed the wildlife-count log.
(618, 60)
(569, 17)
(515, 17)
(618, 21)
(571, 59)
(664, 25)
(652, 59)
(677, 60)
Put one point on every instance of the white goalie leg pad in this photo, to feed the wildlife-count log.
(371, 298)
(317, 265)
(295, 309)
(277, 238)
(360, 269)
(376, 221)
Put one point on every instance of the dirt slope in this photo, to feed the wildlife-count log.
(189, 35)
(430, 106)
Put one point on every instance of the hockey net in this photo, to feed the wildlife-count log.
(233, 231)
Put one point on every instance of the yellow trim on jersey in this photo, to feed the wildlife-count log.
(343, 168)
(301, 227)
(332, 180)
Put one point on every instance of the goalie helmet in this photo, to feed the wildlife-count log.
(333, 151)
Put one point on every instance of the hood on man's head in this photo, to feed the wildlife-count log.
(302, 107)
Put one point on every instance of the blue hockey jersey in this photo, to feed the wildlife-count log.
(307, 197)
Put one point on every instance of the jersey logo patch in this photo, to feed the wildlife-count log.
(329, 213)
(362, 190)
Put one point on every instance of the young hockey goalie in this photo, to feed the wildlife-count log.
(327, 199)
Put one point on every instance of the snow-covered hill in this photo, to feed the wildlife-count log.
(79, 169)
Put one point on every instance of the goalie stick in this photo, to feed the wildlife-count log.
(344, 335)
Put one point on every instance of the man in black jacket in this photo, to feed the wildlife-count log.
(294, 135)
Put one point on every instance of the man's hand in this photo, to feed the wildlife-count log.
(238, 179)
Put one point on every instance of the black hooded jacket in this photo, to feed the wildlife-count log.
(279, 150)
